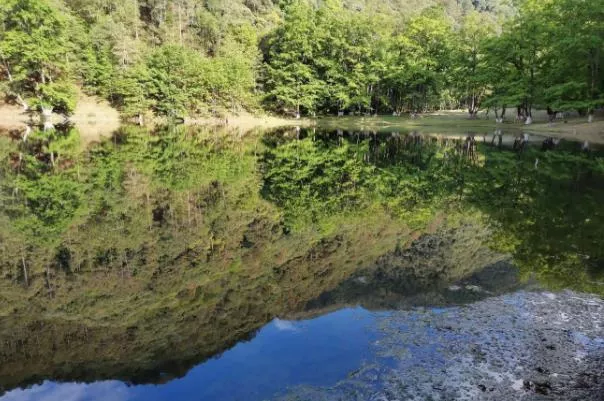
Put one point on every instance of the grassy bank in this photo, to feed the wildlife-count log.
(445, 122)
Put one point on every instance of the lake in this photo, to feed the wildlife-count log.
(192, 263)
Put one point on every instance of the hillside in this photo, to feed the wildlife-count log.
(304, 57)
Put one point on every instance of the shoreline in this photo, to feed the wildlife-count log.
(95, 118)
(455, 122)
(249, 122)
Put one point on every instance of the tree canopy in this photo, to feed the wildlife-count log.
(302, 56)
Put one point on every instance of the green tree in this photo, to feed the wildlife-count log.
(471, 72)
(130, 88)
(575, 54)
(290, 81)
(422, 67)
(519, 54)
(35, 55)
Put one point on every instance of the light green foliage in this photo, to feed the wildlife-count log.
(305, 56)
(423, 68)
(550, 56)
(471, 75)
(129, 89)
(521, 55)
(291, 81)
(35, 53)
(175, 79)
(575, 54)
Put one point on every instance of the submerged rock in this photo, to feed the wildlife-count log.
(523, 346)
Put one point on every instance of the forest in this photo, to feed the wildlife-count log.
(304, 57)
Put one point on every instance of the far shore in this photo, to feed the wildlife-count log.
(248, 122)
(96, 118)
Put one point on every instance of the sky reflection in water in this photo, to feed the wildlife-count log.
(283, 354)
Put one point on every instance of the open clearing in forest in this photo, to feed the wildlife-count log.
(246, 122)
(93, 117)
(575, 128)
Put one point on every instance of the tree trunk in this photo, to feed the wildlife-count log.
(46, 113)
(48, 283)
(25, 277)
(18, 97)
(473, 109)
(22, 102)
(180, 23)
(26, 133)
(136, 8)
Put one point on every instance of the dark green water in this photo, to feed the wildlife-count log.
(199, 264)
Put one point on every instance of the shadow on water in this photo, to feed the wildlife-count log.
(142, 256)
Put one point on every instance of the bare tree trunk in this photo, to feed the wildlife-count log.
(26, 133)
(529, 114)
(189, 207)
(7, 69)
(180, 22)
(25, 277)
(473, 109)
(48, 284)
(22, 102)
(9, 75)
(136, 8)
(47, 113)
(149, 212)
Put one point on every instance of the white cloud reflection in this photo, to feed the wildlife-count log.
(49, 391)
(284, 325)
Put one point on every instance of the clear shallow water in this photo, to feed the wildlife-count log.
(284, 353)
(515, 346)
(198, 265)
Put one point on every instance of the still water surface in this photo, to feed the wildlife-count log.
(195, 264)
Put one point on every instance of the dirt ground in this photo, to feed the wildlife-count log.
(248, 122)
(93, 117)
(582, 131)
(12, 117)
(575, 127)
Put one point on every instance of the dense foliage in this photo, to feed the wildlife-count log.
(547, 215)
(302, 56)
(58, 199)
